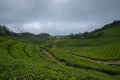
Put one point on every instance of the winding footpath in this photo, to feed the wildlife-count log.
(52, 57)
(98, 61)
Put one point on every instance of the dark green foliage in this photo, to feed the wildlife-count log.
(5, 31)
(26, 34)
(79, 36)
(43, 35)
(88, 35)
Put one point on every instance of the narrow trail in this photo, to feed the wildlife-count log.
(98, 61)
(52, 57)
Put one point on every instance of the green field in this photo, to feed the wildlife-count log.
(67, 59)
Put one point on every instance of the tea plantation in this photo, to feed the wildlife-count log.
(72, 59)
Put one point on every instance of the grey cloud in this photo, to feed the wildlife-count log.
(14, 11)
(66, 16)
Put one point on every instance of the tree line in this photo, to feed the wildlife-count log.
(86, 35)
(5, 31)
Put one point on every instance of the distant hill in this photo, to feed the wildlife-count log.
(108, 32)
(113, 28)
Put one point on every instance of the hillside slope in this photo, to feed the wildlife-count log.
(64, 58)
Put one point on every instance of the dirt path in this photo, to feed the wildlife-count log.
(99, 61)
(52, 57)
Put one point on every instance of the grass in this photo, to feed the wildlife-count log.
(22, 60)
(105, 52)
(38, 65)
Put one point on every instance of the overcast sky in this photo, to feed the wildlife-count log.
(58, 16)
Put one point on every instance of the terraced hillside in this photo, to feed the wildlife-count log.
(20, 60)
(105, 52)
(83, 62)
